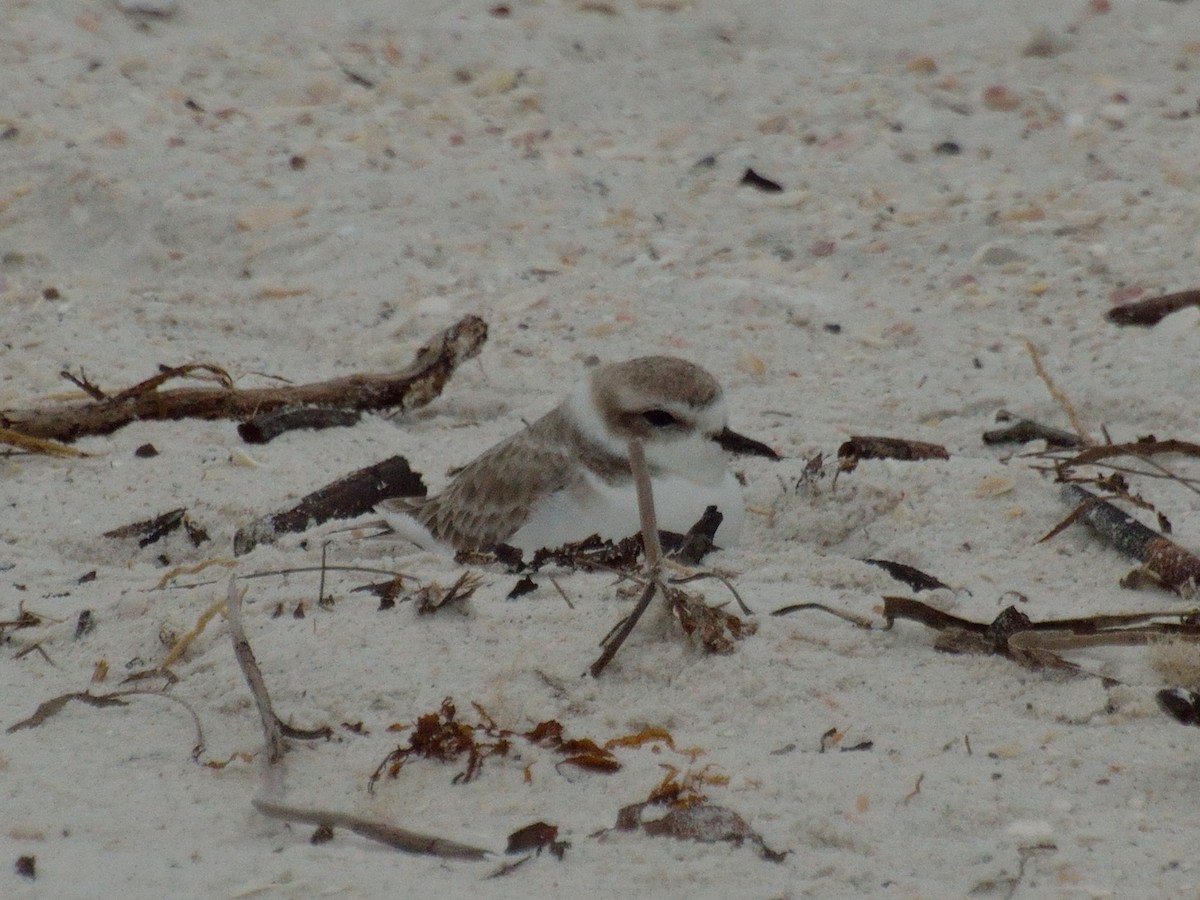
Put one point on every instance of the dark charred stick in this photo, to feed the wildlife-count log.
(1025, 430)
(265, 428)
(356, 494)
(1175, 568)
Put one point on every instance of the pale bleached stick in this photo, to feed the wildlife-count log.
(276, 746)
(393, 836)
(654, 556)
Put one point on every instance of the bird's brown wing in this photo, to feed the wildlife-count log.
(490, 499)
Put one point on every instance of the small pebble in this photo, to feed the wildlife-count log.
(1000, 98)
(162, 8)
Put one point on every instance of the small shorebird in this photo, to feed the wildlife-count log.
(567, 476)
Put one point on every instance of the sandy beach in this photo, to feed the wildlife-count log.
(943, 194)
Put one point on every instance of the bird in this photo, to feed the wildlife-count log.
(567, 476)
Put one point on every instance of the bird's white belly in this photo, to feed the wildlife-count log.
(611, 511)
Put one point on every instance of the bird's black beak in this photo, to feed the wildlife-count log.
(744, 446)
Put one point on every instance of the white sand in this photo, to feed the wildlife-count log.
(541, 170)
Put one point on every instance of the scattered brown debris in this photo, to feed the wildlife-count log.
(439, 735)
(523, 586)
(388, 591)
(355, 494)
(591, 554)
(582, 752)
(718, 631)
(1037, 644)
(691, 817)
(429, 597)
(1154, 310)
(1147, 446)
(914, 578)
(858, 448)
(104, 413)
(85, 624)
(535, 838)
(24, 619)
(150, 531)
(1024, 430)
(433, 597)
(443, 736)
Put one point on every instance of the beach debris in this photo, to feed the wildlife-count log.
(1164, 561)
(860, 447)
(352, 495)
(1153, 310)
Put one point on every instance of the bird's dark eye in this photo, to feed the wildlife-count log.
(659, 418)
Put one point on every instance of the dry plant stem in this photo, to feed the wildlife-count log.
(409, 388)
(37, 445)
(646, 512)
(276, 746)
(393, 836)
(1175, 567)
(1057, 393)
(654, 557)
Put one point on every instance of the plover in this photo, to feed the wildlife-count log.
(566, 476)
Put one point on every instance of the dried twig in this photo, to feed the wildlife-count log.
(54, 706)
(1037, 644)
(392, 835)
(276, 745)
(37, 445)
(409, 388)
(1059, 395)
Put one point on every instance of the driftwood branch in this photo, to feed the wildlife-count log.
(408, 388)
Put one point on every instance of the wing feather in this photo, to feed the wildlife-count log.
(490, 499)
